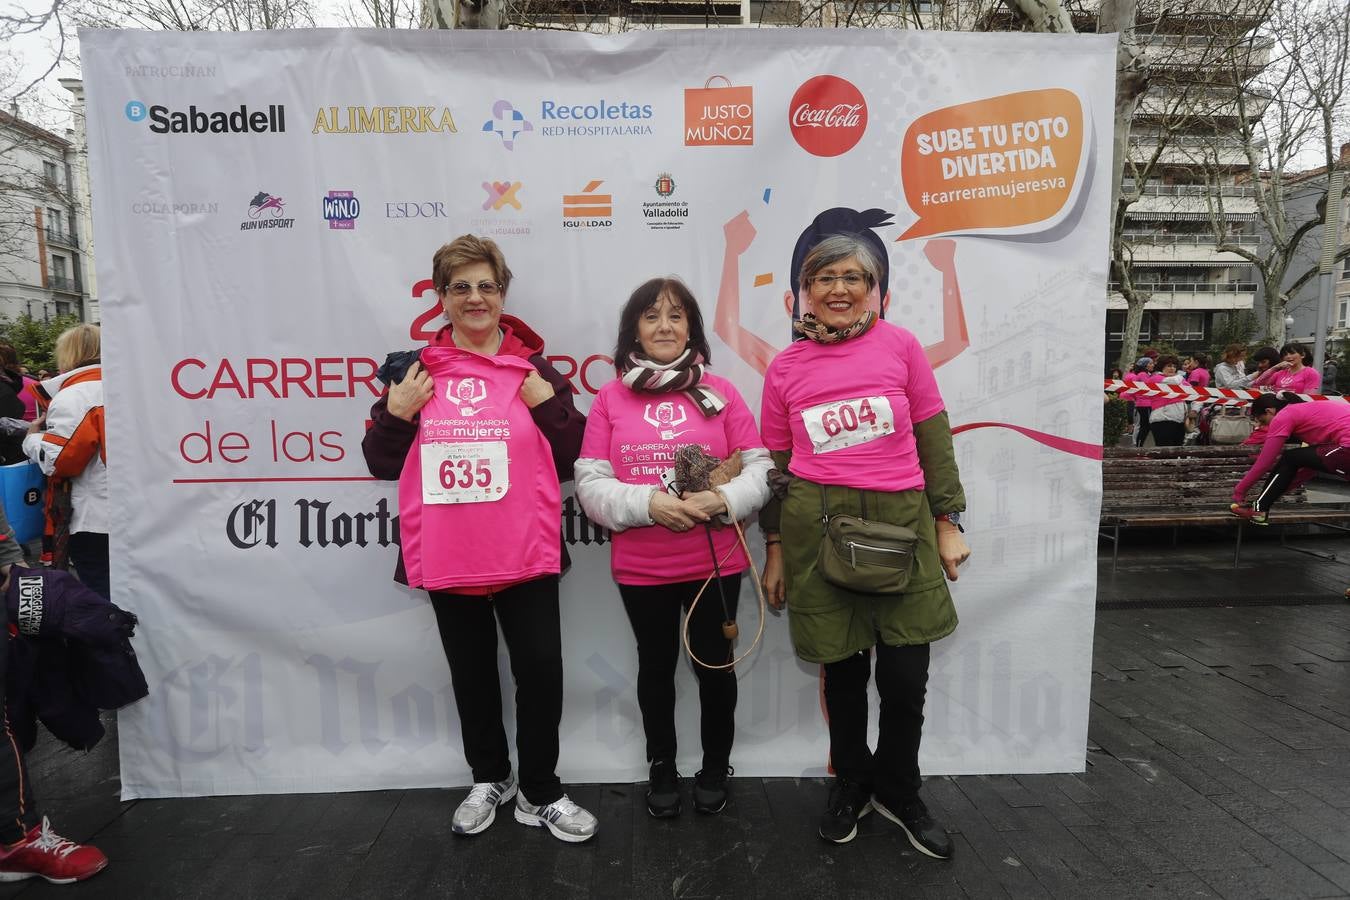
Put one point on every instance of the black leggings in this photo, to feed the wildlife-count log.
(1168, 434)
(655, 613)
(1296, 466)
(1142, 433)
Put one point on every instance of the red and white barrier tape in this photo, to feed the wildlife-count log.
(1223, 396)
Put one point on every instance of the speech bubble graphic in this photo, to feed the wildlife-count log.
(1011, 164)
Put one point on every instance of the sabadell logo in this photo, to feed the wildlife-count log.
(828, 116)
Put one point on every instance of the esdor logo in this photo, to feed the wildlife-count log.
(828, 116)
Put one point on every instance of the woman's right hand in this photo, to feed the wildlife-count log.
(407, 397)
(673, 513)
(775, 589)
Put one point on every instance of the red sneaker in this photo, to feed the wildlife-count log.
(45, 854)
(46, 558)
(1243, 511)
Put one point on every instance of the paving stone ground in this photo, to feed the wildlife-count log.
(1218, 765)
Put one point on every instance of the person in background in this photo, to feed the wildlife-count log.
(1293, 373)
(1143, 371)
(661, 554)
(1329, 373)
(1168, 419)
(1231, 372)
(13, 388)
(1324, 428)
(1196, 367)
(68, 443)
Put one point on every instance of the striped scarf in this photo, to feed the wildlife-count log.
(808, 326)
(683, 374)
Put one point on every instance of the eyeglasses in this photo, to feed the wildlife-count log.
(851, 280)
(462, 289)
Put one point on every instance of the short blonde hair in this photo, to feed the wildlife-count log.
(466, 250)
(77, 346)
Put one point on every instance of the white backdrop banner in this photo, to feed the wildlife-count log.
(266, 208)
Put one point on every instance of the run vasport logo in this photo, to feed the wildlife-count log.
(508, 123)
(266, 211)
(243, 120)
(827, 115)
(589, 209)
(384, 120)
(665, 214)
(341, 209)
(719, 115)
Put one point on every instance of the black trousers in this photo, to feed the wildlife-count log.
(892, 772)
(528, 614)
(89, 555)
(1168, 434)
(654, 610)
(1307, 459)
(1142, 432)
(18, 813)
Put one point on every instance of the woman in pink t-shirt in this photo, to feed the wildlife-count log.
(1293, 373)
(856, 425)
(662, 551)
(1323, 426)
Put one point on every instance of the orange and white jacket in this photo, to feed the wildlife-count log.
(73, 447)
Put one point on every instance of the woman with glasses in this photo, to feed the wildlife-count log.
(662, 555)
(479, 429)
(855, 424)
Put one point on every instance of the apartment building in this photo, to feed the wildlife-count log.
(42, 265)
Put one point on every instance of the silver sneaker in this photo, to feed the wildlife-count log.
(567, 821)
(479, 809)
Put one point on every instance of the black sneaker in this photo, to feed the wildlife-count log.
(927, 836)
(663, 791)
(710, 789)
(849, 802)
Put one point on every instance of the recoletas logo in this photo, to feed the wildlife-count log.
(266, 211)
(164, 120)
(508, 123)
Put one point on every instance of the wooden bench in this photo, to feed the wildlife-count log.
(1176, 486)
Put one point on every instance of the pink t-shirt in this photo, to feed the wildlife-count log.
(1304, 381)
(1317, 423)
(479, 501)
(847, 410)
(1199, 376)
(1142, 402)
(639, 433)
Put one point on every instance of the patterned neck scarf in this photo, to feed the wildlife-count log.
(682, 374)
(808, 326)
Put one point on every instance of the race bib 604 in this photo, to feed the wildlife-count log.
(844, 423)
(473, 472)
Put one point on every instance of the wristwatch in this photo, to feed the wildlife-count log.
(953, 517)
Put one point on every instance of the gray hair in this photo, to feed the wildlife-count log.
(836, 248)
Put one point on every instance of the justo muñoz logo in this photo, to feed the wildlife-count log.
(828, 115)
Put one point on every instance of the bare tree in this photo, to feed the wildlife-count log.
(1297, 104)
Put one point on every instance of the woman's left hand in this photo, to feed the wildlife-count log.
(952, 549)
(710, 503)
(535, 390)
(37, 424)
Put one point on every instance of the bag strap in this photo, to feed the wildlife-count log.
(825, 511)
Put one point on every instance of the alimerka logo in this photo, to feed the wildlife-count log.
(827, 115)
(384, 120)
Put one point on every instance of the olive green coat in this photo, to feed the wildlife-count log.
(828, 623)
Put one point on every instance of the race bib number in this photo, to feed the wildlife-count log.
(844, 423)
(464, 473)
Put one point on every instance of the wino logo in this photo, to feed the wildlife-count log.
(507, 122)
(341, 208)
(588, 209)
(500, 194)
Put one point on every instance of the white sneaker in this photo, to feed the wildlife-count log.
(567, 821)
(479, 809)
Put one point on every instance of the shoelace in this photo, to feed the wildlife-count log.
(565, 806)
(51, 842)
(478, 796)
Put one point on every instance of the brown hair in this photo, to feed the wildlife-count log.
(9, 357)
(466, 250)
(1233, 352)
(77, 346)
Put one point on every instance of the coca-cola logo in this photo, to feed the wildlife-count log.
(828, 115)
